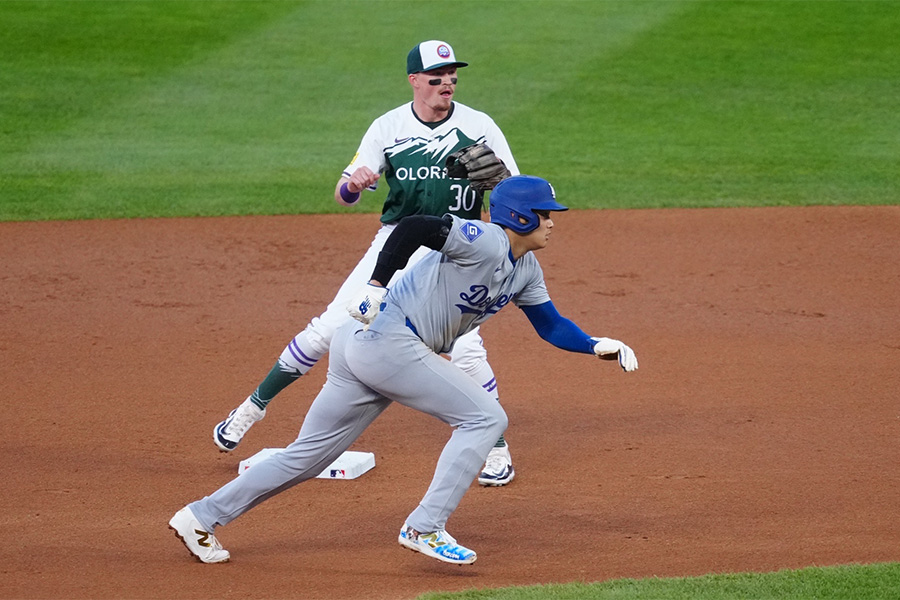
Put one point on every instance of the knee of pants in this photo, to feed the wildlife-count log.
(318, 334)
(496, 418)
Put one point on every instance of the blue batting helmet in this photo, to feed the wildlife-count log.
(514, 200)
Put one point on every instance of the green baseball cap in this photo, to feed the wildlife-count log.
(429, 55)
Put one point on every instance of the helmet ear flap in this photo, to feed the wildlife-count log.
(525, 221)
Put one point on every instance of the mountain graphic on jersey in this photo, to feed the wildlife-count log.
(418, 150)
(417, 178)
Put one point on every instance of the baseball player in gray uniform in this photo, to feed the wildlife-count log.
(407, 147)
(478, 269)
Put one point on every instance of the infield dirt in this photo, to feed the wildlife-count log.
(760, 432)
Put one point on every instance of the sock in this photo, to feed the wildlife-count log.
(501, 443)
(278, 378)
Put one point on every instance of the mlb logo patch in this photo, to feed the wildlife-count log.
(472, 231)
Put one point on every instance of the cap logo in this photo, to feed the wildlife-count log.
(443, 51)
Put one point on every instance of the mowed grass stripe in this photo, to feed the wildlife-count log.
(732, 103)
(120, 109)
(100, 98)
(264, 123)
(62, 61)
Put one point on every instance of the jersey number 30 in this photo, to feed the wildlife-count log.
(465, 198)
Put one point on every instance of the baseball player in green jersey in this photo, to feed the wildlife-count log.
(407, 147)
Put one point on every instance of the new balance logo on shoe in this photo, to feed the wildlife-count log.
(204, 536)
(202, 544)
(432, 540)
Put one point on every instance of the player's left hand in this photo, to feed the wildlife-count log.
(366, 304)
(479, 165)
(609, 349)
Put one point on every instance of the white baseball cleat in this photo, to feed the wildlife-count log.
(498, 469)
(437, 544)
(199, 542)
(229, 433)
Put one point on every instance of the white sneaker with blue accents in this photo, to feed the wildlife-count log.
(498, 468)
(437, 544)
(229, 433)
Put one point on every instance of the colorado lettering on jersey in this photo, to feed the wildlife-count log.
(479, 303)
(419, 158)
(423, 172)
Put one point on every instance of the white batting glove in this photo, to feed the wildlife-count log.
(607, 346)
(366, 303)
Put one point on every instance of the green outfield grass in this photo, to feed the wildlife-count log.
(135, 109)
(145, 109)
(859, 582)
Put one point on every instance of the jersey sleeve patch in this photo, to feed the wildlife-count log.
(471, 231)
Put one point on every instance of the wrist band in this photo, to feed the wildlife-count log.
(348, 196)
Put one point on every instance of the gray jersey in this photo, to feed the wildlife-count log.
(444, 302)
(443, 296)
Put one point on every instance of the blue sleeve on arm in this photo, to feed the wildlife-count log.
(558, 330)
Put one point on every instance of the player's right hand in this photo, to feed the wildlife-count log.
(366, 304)
(608, 348)
(361, 179)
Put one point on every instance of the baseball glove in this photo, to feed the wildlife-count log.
(479, 165)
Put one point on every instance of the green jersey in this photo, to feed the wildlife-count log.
(410, 155)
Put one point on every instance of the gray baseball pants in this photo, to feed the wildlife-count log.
(367, 371)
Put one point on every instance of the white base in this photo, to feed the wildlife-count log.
(348, 465)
